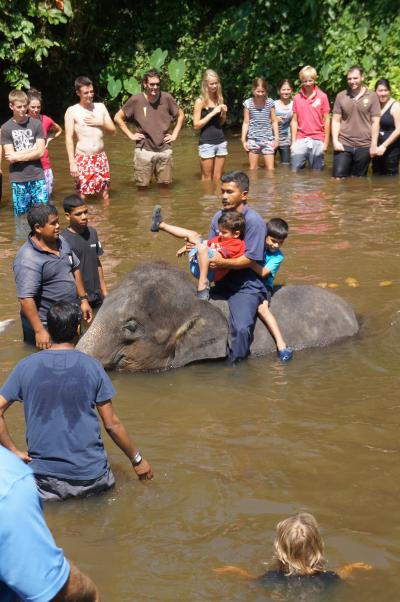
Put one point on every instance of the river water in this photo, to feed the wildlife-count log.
(235, 450)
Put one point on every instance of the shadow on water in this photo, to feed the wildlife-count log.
(234, 450)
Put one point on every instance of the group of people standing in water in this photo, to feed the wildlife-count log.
(365, 126)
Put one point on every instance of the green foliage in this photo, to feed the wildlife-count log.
(240, 39)
(27, 36)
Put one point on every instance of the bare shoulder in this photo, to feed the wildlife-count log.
(72, 110)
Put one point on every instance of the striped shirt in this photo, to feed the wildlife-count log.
(260, 124)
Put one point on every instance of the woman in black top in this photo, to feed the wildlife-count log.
(209, 115)
(386, 161)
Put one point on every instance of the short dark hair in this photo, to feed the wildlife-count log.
(39, 214)
(81, 81)
(63, 319)
(150, 73)
(383, 82)
(34, 94)
(72, 201)
(239, 177)
(277, 228)
(355, 68)
(233, 221)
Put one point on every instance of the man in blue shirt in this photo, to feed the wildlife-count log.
(46, 271)
(242, 287)
(62, 390)
(32, 567)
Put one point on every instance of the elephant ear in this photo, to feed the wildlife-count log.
(204, 335)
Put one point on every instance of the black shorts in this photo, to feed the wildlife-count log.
(387, 164)
(353, 161)
(284, 153)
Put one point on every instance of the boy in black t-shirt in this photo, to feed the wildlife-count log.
(84, 242)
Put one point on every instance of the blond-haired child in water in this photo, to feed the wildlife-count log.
(299, 559)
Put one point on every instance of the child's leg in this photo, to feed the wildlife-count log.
(178, 232)
(157, 223)
(272, 325)
(204, 263)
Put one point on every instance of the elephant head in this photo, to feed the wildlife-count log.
(153, 321)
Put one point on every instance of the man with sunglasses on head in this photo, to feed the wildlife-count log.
(152, 112)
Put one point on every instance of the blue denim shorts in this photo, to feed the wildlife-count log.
(209, 151)
(194, 264)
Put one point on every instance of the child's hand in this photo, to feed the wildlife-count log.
(234, 570)
(345, 571)
(182, 251)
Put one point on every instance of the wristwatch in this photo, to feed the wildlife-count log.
(137, 458)
(83, 297)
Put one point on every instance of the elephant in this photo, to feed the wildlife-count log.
(153, 321)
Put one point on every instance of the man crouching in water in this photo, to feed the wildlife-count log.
(61, 389)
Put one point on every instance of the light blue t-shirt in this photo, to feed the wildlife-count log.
(272, 261)
(60, 389)
(32, 568)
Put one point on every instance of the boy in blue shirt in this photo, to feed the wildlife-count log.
(277, 231)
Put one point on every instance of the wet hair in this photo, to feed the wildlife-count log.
(39, 214)
(260, 81)
(34, 94)
(232, 221)
(308, 70)
(150, 73)
(72, 201)
(204, 94)
(283, 82)
(17, 96)
(63, 319)
(81, 81)
(355, 68)
(383, 82)
(239, 177)
(298, 546)
(277, 228)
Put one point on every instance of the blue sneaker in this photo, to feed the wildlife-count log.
(285, 355)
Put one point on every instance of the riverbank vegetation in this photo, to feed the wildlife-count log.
(48, 43)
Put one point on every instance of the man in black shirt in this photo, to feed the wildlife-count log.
(84, 242)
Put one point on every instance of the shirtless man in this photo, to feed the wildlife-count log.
(87, 120)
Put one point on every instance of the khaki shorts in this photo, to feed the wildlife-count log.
(148, 163)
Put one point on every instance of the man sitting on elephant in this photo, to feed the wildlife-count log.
(242, 287)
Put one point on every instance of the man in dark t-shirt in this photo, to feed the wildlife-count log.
(84, 242)
(62, 390)
(152, 111)
(242, 287)
(23, 140)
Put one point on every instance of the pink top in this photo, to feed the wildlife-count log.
(310, 113)
(47, 124)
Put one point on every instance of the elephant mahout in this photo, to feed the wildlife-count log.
(153, 321)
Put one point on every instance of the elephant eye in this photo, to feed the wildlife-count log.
(131, 325)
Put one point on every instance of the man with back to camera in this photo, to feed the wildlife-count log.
(32, 567)
(355, 127)
(88, 120)
(46, 271)
(152, 111)
(241, 287)
(62, 390)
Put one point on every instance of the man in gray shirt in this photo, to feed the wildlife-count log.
(46, 271)
(23, 140)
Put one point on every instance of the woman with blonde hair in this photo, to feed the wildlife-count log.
(299, 560)
(209, 116)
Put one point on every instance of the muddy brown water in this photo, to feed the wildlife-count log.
(236, 450)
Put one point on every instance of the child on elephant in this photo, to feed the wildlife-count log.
(228, 244)
(299, 562)
(277, 231)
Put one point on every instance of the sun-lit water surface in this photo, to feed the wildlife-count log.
(234, 450)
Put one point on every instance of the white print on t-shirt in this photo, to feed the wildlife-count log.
(316, 103)
(23, 139)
